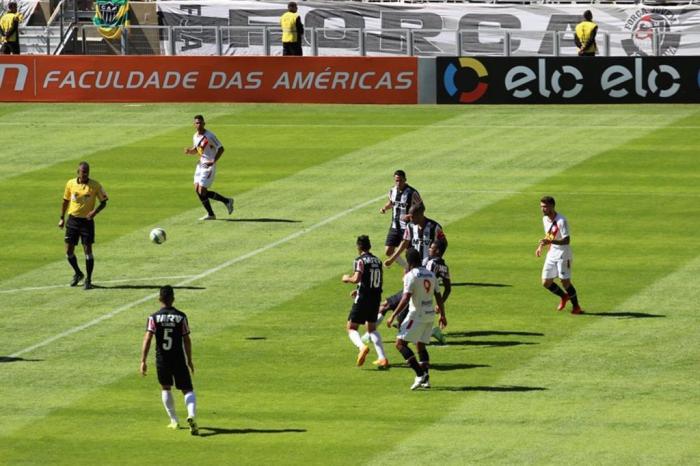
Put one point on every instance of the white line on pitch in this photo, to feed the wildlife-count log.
(123, 280)
(193, 278)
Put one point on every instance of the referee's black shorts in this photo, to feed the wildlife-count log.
(81, 229)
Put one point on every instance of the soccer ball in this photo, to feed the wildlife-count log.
(158, 235)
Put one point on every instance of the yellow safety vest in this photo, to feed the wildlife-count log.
(6, 24)
(583, 32)
(288, 21)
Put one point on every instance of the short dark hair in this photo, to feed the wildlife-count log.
(441, 245)
(85, 165)
(167, 294)
(199, 117)
(549, 200)
(364, 243)
(587, 15)
(413, 258)
(400, 173)
(291, 5)
(417, 208)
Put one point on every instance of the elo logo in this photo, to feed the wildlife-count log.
(450, 75)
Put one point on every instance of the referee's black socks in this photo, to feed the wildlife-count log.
(89, 265)
(73, 261)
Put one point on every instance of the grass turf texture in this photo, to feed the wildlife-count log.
(517, 382)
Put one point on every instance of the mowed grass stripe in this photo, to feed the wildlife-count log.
(340, 243)
(328, 182)
(47, 134)
(151, 175)
(608, 380)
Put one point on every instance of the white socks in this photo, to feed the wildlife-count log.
(377, 340)
(191, 403)
(167, 398)
(355, 338)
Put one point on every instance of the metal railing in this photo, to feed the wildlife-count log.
(266, 40)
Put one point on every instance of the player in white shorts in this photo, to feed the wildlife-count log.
(206, 145)
(419, 288)
(557, 263)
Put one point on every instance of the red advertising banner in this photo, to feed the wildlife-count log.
(387, 80)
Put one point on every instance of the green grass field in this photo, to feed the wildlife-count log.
(517, 383)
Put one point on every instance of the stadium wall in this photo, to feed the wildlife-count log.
(351, 80)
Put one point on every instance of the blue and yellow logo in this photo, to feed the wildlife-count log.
(450, 81)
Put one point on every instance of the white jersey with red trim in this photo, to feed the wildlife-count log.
(421, 283)
(557, 229)
(207, 145)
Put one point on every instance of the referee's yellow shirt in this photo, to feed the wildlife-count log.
(82, 196)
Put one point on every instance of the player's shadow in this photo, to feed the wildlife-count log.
(490, 285)
(489, 343)
(145, 287)
(261, 220)
(623, 315)
(13, 359)
(502, 388)
(209, 431)
(445, 367)
(488, 333)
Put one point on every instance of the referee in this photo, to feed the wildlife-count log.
(79, 201)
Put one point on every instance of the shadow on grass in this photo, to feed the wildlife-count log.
(256, 338)
(445, 366)
(488, 285)
(260, 220)
(623, 315)
(498, 344)
(209, 431)
(506, 388)
(13, 359)
(487, 333)
(145, 287)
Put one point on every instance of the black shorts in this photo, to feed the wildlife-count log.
(393, 300)
(178, 372)
(292, 49)
(80, 228)
(365, 310)
(394, 237)
(10, 48)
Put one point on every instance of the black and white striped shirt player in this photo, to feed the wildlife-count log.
(420, 236)
(402, 197)
(369, 288)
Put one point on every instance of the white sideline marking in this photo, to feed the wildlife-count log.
(123, 280)
(193, 278)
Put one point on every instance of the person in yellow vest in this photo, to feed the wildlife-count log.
(292, 31)
(9, 30)
(79, 201)
(585, 36)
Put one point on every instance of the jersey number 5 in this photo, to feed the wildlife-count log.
(167, 339)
